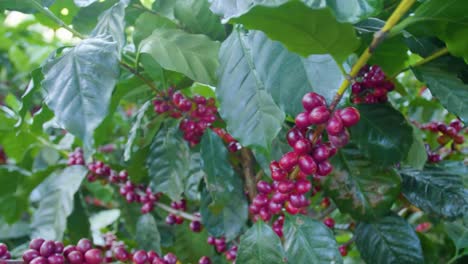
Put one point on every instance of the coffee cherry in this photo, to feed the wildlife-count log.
(3, 249)
(286, 186)
(211, 240)
(321, 153)
(58, 247)
(58, 259)
(36, 244)
(204, 260)
(349, 116)
(84, 245)
(329, 222)
(302, 147)
(279, 197)
(340, 140)
(335, 126)
(121, 254)
(324, 168)
(302, 120)
(196, 226)
(75, 257)
(41, 260)
(312, 100)
(291, 209)
(265, 214)
(140, 257)
(457, 125)
(293, 136)
(68, 249)
(307, 164)
(298, 200)
(275, 208)
(47, 248)
(319, 115)
(152, 255)
(303, 186)
(264, 187)
(28, 255)
(170, 258)
(288, 161)
(260, 200)
(343, 250)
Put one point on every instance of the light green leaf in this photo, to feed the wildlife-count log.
(111, 24)
(147, 234)
(79, 84)
(417, 155)
(176, 50)
(146, 23)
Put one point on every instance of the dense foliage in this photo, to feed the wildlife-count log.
(222, 131)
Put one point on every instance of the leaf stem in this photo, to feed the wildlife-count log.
(44, 10)
(177, 212)
(433, 56)
(141, 77)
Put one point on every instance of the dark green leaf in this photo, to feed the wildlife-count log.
(458, 232)
(260, 245)
(309, 241)
(168, 162)
(417, 155)
(361, 188)
(147, 234)
(23, 6)
(13, 196)
(195, 175)
(251, 115)
(78, 225)
(176, 50)
(146, 23)
(185, 241)
(56, 202)
(435, 190)
(391, 55)
(451, 91)
(383, 134)
(227, 219)
(33, 88)
(111, 24)
(322, 34)
(388, 240)
(87, 17)
(79, 85)
(196, 16)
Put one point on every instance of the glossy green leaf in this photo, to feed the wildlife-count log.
(168, 162)
(146, 23)
(195, 175)
(435, 190)
(417, 155)
(309, 241)
(87, 17)
(322, 34)
(147, 234)
(111, 24)
(360, 187)
(251, 115)
(196, 16)
(227, 219)
(78, 225)
(23, 6)
(451, 91)
(175, 50)
(79, 84)
(383, 134)
(388, 240)
(56, 202)
(391, 55)
(260, 245)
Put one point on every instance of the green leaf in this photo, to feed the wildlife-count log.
(322, 34)
(13, 195)
(56, 202)
(8, 119)
(436, 190)
(78, 225)
(221, 179)
(175, 50)
(147, 234)
(79, 85)
(84, 3)
(185, 241)
(195, 175)
(388, 240)
(391, 55)
(351, 11)
(16, 230)
(111, 24)
(17, 149)
(417, 155)
(28, 96)
(57, 9)
(134, 130)
(361, 188)
(383, 134)
(146, 23)
(23, 6)
(458, 232)
(309, 241)
(451, 91)
(251, 115)
(168, 162)
(196, 16)
(260, 245)
(226, 220)
(87, 17)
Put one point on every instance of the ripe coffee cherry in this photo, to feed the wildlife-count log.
(319, 115)
(260, 200)
(324, 168)
(58, 247)
(264, 187)
(68, 249)
(94, 256)
(29, 255)
(340, 140)
(302, 147)
(204, 260)
(40, 260)
(312, 100)
(265, 214)
(36, 244)
(307, 164)
(152, 255)
(253, 209)
(279, 197)
(47, 248)
(457, 124)
(302, 120)
(293, 136)
(329, 222)
(140, 257)
(196, 226)
(298, 200)
(288, 161)
(286, 186)
(3, 249)
(275, 208)
(343, 250)
(57, 259)
(121, 254)
(75, 257)
(321, 153)
(211, 240)
(349, 116)
(170, 258)
(291, 209)
(335, 126)
(303, 186)
(84, 245)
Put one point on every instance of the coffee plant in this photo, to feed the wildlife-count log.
(233, 131)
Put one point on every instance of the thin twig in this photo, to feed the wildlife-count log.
(141, 77)
(248, 161)
(171, 210)
(433, 56)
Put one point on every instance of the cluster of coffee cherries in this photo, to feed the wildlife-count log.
(4, 253)
(174, 219)
(232, 144)
(221, 247)
(3, 156)
(371, 86)
(309, 157)
(197, 113)
(446, 133)
(76, 157)
(53, 252)
(205, 260)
